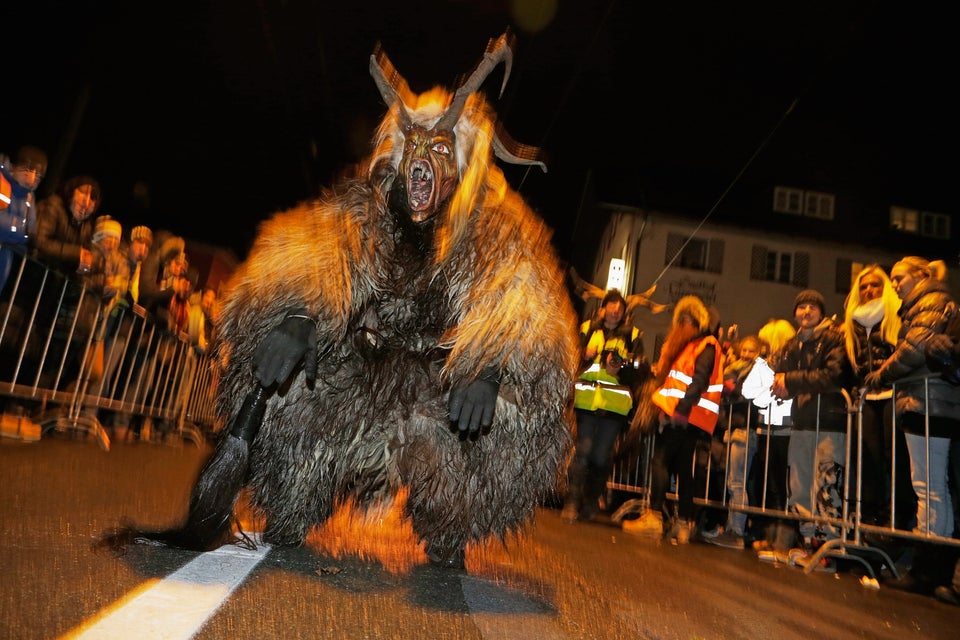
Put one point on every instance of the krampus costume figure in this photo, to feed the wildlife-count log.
(437, 341)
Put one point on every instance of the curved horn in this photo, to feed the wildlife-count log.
(498, 51)
(509, 150)
(393, 87)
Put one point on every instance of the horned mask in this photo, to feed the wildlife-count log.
(432, 140)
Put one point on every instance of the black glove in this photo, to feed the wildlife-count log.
(472, 405)
(290, 342)
(872, 380)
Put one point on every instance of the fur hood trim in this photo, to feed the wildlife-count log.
(694, 307)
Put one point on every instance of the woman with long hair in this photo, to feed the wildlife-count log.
(871, 326)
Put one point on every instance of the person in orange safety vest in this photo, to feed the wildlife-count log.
(689, 377)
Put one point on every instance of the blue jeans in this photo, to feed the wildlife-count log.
(934, 505)
(743, 448)
(816, 478)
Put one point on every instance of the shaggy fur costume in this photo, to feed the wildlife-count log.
(405, 312)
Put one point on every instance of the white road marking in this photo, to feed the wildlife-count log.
(176, 607)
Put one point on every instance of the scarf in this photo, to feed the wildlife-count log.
(869, 314)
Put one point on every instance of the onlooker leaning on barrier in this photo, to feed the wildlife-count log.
(741, 416)
(689, 382)
(813, 369)
(922, 396)
(19, 180)
(105, 287)
(210, 304)
(62, 243)
(112, 279)
(154, 293)
(122, 342)
(871, 326)
(65, 227)
(767, 482)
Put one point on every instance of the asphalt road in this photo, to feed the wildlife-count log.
(367, 578)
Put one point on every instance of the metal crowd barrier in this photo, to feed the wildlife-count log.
(67, 361)
(632, 474)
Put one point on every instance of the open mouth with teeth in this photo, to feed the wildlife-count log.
(421, 190)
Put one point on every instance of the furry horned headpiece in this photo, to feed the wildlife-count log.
(434, 149)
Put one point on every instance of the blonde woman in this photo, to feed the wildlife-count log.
(871, 326)
(767, 481)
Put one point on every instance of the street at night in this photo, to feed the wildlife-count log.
(371, 580)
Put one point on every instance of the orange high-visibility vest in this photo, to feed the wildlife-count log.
(6, 192)
(705, 412)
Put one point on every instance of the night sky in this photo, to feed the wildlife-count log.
(203, 117)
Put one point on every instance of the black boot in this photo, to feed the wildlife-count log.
(576, 477)
(594, 486)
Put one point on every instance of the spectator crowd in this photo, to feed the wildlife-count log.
(111, 272)
(779, 440)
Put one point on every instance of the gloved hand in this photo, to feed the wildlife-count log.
(472, 405)
(290, 342)
(872, 380)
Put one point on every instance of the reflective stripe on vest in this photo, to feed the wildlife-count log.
(597, 390)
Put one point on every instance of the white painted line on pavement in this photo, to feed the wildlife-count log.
(176, 607)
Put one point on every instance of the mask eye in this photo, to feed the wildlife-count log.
(442, 148)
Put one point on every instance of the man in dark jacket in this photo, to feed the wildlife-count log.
(812, 371)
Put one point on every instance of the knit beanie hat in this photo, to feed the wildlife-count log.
(142, 234)
(106, 227)
(810, 296)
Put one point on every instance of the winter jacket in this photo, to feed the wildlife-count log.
(872, 352)
(60, 236)
(923, 314)
(817, 368)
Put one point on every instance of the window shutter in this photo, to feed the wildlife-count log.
(758, 263)
(674, 242)
(801, 269)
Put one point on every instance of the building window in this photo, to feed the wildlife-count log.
(925, 223)
(787, 200)
(935, 225)
(819, 205)
(812, 204)
(694, 253)
(904, 219)
(780, 266)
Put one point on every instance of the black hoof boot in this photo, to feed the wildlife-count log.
(444, 556)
